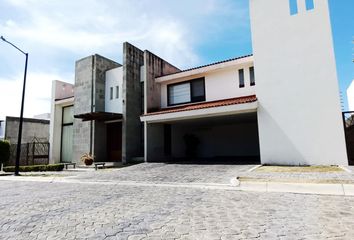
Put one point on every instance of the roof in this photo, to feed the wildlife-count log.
(99, 116)
(31, 120)
(203, 105)
(210, 64)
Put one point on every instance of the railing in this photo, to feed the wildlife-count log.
(31, 153)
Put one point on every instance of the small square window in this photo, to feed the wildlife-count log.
(241, 78)
(111, 93)
(252, 79)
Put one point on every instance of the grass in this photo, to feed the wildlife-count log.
(299, 169)
(296, 180)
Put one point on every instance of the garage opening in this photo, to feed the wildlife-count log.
(225, 139)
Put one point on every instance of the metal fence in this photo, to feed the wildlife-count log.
(348, 121)
(34, 153)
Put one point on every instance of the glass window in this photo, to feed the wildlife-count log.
(241, 78)
(186, 92)
(252, 80)
(198, 93)
(68, 115)
(117, 91)
(67, 134)
(178, 94)
(67, 144)
(111, 93)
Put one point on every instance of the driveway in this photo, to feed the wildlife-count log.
(92, 209)
(168, 173)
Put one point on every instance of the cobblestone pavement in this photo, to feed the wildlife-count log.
(39, 210)
(164, 173)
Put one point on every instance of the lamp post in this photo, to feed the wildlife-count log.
(18, 150)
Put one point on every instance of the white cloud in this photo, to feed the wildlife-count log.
(38, 94)
(58, 32)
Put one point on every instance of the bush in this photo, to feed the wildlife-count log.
(36, 168)
(4, 151)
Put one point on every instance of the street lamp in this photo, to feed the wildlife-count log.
(18, 150)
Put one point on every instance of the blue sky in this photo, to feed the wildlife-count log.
(184, 32)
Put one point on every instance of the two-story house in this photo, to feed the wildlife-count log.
(278, 106)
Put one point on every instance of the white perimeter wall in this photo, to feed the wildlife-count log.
(221, 84)
(56, 120)
(114, 78)
(299, 110)
(350, 96)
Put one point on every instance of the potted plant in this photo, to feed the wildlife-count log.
(87, 158)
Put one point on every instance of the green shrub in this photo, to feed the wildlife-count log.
(37, 168)
(4, 151)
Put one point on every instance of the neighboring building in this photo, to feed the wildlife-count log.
(44, 116)
(350, 96)
(32, 129)
(278, 106)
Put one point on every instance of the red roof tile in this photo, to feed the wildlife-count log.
(203, 105)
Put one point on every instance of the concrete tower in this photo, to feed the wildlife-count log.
(299, 108)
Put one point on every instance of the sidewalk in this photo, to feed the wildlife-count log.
(338, 182)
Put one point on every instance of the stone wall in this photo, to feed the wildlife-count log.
(154, 67)
(90, 97)
(132, 141)
(153, 134)
(31, 128)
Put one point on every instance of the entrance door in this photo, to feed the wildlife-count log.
(114, 142)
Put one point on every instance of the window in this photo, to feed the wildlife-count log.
(186, 92)
(293, 7)
(111, 93)
(117, 91)
(66, 148)
(241, 78)
(309, 5)
(252, 80)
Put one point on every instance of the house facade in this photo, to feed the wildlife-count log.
(99, 113)
(279, 105)
(290, 116)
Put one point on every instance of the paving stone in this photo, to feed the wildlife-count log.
(43, 210)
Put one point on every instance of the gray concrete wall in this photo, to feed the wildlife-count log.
(90, 97)
(82, 104)
(132, 139)
(154, 67)
(32, 128)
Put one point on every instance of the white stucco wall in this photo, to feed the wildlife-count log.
(114, 78)
(350, 96)
(56, 118)
(297, 89)
(220, 84)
